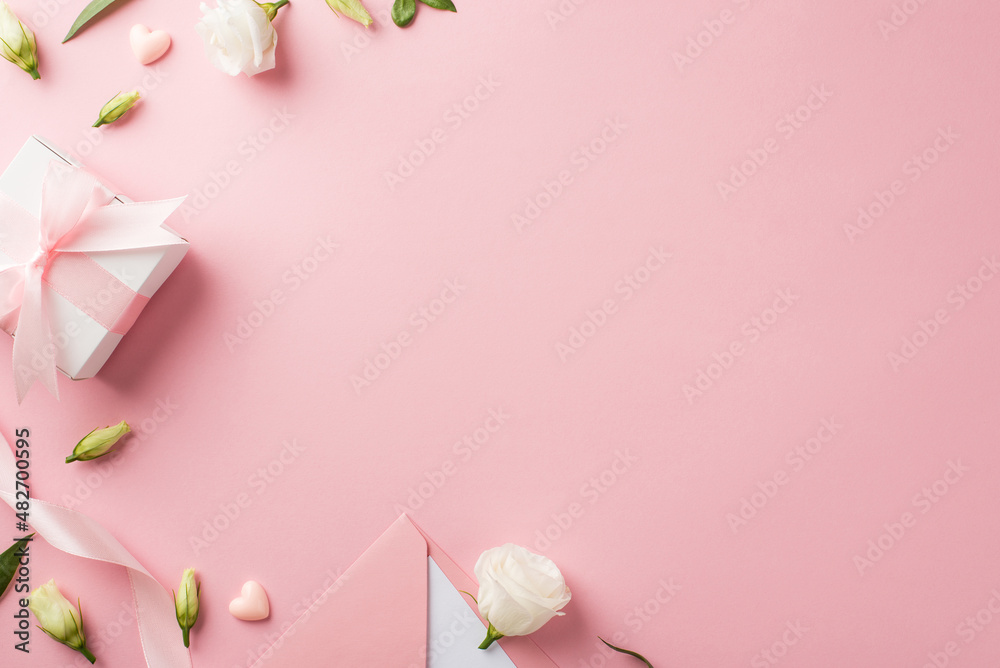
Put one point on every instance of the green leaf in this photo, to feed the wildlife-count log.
(403, 12)
(626, 651)
(352, 9)
(440, 4)
(9, 563)
(89, 12)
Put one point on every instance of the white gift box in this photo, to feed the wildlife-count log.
(82, 344)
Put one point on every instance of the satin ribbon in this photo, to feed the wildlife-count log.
(77, 534)
(75, 219)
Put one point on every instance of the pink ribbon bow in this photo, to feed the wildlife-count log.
(50, 249)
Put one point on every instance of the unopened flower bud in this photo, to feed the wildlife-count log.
(98, 442)
(352, 9)
(116, 108)
(17, 42)
(186, 604)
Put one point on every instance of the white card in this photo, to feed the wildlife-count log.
(454, 632)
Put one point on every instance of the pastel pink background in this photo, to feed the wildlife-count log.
(665, 518)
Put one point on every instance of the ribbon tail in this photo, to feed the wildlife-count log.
(122, 227)
(34, 356)
(79, 535)
(11, 285)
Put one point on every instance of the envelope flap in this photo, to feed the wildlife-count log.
(375, 614)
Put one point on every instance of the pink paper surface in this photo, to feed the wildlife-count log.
(255, 456)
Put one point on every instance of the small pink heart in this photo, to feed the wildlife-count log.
(252, 605)
(148, 46)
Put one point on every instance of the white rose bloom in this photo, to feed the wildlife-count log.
(238, 36)
(519, 591)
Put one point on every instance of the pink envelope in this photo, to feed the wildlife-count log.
(376, 613)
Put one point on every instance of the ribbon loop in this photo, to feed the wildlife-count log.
(66, 194)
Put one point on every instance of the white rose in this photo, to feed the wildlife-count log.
(519, 591)
(238, 36)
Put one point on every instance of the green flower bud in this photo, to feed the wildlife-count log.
(186, 604)
(117, 107)
(352, 9)
(17, 42)
(59, 618)
(98, 442)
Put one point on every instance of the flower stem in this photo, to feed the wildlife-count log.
(492, 635)
(271, 8)
(627, 651)
(86, 653)
(187, 636)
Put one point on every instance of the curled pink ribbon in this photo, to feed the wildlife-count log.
(50, 255)
(77, 534)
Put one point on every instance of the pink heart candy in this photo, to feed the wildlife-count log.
(148, 46)
(252, 605)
